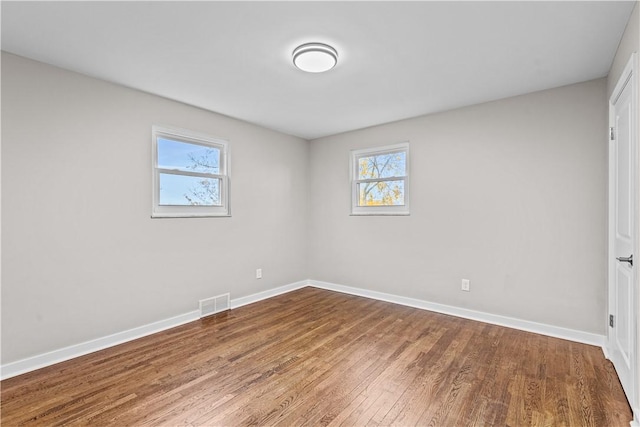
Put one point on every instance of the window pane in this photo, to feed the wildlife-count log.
(382, 165)
(181, 190)
(188, 157)
(381, 193)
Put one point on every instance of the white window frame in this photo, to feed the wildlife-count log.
(190, 137)
(378, 210)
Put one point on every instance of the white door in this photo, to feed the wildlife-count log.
(623, 224)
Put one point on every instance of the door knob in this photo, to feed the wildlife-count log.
(628, 259)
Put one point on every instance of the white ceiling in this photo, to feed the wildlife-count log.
(396, 59)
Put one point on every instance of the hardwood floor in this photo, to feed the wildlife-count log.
(314, 357)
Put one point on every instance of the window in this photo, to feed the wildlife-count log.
(190, 174)
(380, 180)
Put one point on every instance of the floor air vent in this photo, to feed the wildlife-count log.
(214, 305)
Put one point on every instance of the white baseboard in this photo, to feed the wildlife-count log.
(495, 319)
(605, 349)
(56, 356)
(250, 299)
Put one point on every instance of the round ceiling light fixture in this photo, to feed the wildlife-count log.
(315, 57)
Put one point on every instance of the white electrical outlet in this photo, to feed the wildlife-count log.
(258, 273)
(465, 285)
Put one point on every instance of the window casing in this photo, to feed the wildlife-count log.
(190, 174)
(380, 180)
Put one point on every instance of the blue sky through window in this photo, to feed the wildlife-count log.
(382, 165)
(183, 190)
(188, 157)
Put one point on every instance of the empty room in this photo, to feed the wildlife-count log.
(320, 213)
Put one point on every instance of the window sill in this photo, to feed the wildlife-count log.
(161, 216)
(379, 214)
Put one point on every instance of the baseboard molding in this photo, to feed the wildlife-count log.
(56, 356)
(250, 299)
(509, 322)
(605, 349)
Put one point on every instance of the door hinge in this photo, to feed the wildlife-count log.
(612, 136)
(611, 320)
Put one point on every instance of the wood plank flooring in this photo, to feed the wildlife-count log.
(314, 358)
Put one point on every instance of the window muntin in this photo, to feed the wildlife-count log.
(190, 174)
(380, 180)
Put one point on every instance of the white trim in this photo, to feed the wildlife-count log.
(605, 349)
(627, 77)
(56, 356)
(187, 211)
(357, 210)
(494, 319)
(250, 299)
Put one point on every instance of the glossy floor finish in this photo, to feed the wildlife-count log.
(315, 357)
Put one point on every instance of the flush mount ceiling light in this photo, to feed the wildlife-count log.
(315, 57)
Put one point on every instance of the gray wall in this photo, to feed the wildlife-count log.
(81, 256)
(509, 194)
